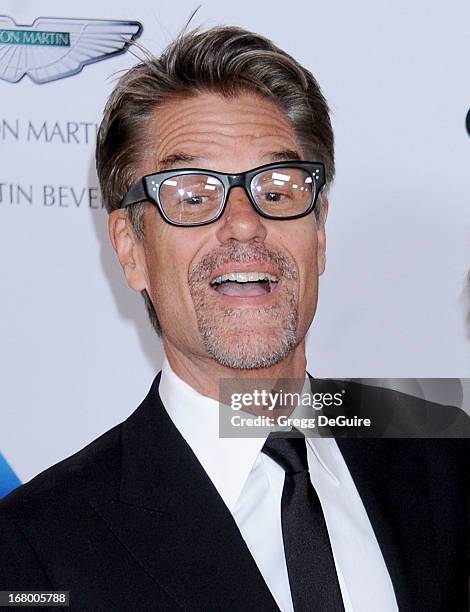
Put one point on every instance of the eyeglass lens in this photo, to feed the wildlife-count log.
(197, 198)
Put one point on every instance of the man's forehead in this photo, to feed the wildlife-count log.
(205, 128)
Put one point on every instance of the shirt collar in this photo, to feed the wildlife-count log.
(227, 461)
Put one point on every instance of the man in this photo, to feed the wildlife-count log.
(214, 162)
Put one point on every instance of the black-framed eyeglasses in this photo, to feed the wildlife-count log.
(190, 197)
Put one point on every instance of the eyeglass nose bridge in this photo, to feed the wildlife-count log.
(239, 180)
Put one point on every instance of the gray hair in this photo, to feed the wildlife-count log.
(226, 60)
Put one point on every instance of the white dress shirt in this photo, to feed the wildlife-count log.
(250, 483)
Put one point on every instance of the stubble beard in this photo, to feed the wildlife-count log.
(246, 338)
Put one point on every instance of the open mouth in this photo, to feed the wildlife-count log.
(245, 284)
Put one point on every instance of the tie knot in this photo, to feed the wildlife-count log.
(289, 453)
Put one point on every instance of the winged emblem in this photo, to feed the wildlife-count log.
(53, 48)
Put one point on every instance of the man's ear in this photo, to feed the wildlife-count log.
(129, 249)
(321, 235)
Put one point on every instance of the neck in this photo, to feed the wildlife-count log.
(203, 373)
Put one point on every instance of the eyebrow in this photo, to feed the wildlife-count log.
(176, 159)
(184, 159)
(284, 155)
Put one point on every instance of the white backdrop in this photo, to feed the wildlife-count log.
(77, 353)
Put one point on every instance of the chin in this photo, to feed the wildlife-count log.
(244, 349)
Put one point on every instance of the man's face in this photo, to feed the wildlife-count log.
(239, 325)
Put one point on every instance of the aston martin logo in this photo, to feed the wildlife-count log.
(53, 48)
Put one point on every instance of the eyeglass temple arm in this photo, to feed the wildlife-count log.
(135, 195)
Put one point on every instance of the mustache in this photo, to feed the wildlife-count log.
(242, 252)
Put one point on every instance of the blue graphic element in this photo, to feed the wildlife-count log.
(8, 479)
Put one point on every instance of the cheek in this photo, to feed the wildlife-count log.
(302, 246)
(170, 267)
(163, 261)
(169, 275)
(304, 250)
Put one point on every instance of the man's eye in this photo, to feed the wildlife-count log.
(273, 196)
(195, 200)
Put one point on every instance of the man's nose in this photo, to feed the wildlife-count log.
(240, 221)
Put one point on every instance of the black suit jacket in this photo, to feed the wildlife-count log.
(132, 522)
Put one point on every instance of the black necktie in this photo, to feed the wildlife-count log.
(312, 573)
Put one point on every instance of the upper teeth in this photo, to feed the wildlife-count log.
(245, 277)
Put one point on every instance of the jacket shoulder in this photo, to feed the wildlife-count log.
(94, 469)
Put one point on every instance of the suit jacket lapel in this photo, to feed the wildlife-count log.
(172, 520)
